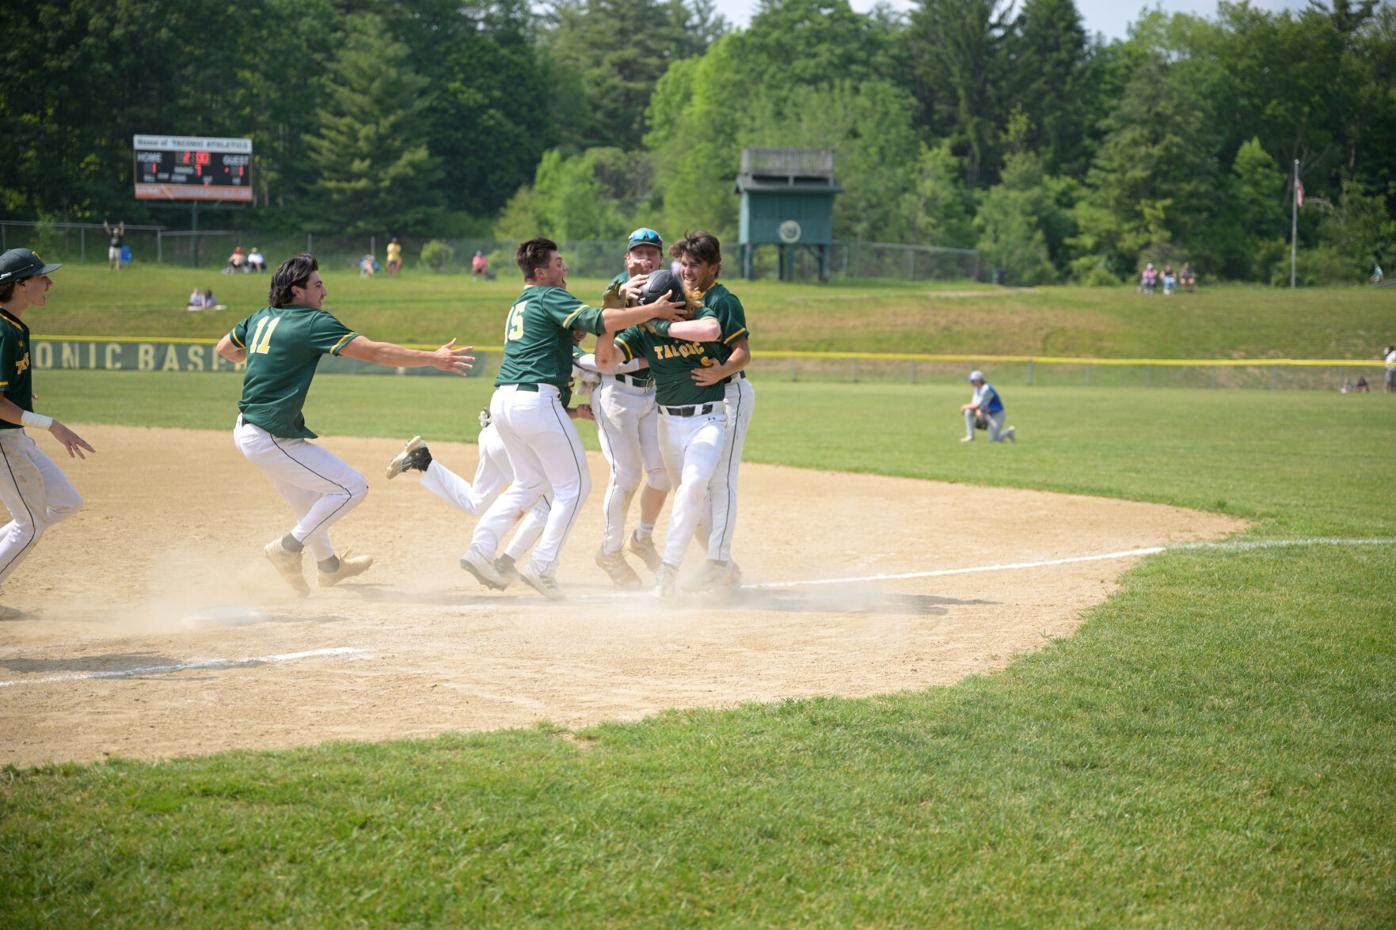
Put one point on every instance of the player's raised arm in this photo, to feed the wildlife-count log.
(445, 358)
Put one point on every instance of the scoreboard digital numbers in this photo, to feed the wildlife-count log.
(193, 168)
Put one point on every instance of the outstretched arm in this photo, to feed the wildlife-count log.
(75, 444)
(618, 318)
(446, 358)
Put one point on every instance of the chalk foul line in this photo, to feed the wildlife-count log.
(195, 665)
(1237, 545)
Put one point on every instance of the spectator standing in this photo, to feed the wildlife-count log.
(116, 237)
(1389, 356)
(479, 266)
(986, 403)
(394, 257)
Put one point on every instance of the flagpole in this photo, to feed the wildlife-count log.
(1294, 225)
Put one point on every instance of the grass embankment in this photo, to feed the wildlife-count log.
(1222, 322)
(1213, 748)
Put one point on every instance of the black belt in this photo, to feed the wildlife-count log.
(632, 379)
(697, 410)
(531, 388)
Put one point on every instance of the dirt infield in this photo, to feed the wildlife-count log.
(154, 627)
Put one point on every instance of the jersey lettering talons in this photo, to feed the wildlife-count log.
(682, 350)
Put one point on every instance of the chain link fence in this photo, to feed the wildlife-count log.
(593, 258)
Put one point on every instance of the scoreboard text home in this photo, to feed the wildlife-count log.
(193, 168)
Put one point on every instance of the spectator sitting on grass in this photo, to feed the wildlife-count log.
(256, 260)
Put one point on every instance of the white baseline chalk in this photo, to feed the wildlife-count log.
(188, 666)
(1238, 545)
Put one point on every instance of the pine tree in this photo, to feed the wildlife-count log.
(375, 172)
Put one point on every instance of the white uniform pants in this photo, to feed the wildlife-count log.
(492, 476)
(37, 494)
(691, 447)
(719, 522)
(995, 425)
(627, 424)
(545, 452)
(320, 487)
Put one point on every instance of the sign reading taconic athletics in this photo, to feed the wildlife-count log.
(192, 168)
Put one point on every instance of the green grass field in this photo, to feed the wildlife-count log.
(1213, 748)
(1225, 322)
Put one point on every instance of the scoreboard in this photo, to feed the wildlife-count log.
(193, 168)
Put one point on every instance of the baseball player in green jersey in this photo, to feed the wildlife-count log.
(529, 409)
(33, 488)
(692, 417)
(282, 344)
(627, 426)
(700, 260)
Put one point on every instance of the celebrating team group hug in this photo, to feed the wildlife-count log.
(667, 391)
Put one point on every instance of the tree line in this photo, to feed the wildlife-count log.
(988, 124)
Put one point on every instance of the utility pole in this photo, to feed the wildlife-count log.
(1294, 225)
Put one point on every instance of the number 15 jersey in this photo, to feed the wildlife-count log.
(538, 336)
(284, 344)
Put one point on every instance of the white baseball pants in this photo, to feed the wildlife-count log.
(37, 494)
(719, 523)
(691, 447)
(995, 425)
(492, 476)
(320, 487)
(546, 453)
(627, 424)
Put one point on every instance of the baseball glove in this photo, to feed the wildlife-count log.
(613, 298)
(981, 421)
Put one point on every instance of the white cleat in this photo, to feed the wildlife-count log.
(414, 457)
(666, 583)
(711, 575)
(483, 569)
(1011, 434)
(505, 566)
(967, 439)
(645, 551)
(622, 575)
(544, 584)
(288, 564)
(349, 566)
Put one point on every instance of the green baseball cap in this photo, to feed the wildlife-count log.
(18, 264)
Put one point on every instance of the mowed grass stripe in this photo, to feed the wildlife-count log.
(1212, 748)
(859, 316)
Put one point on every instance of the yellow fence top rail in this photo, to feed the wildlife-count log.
(889, 356)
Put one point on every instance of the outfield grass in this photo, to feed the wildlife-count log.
(1212, 748)
(1222, 322)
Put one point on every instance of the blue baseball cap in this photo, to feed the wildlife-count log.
(645, 236)
(18, 264)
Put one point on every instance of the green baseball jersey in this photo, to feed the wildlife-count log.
(538, 336)
(728, 310)
(16, 376)
(284, 344)
(672, 362)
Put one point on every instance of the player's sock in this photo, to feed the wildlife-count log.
(644, 531)
(330, 565)
(291, 543)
